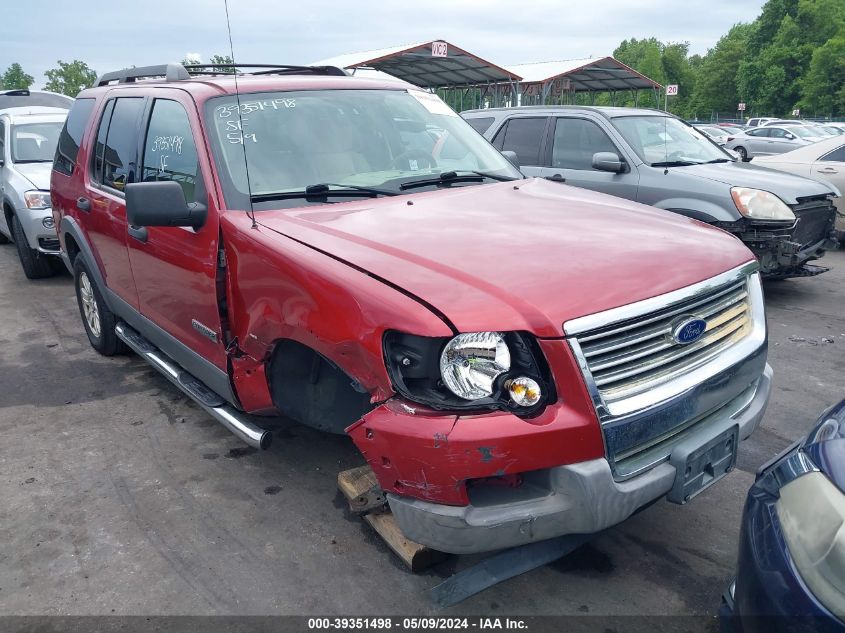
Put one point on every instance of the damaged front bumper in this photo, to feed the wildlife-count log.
(577, 498)
(785, 251)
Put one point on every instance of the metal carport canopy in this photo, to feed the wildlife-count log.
(417, 64)
(585, 75)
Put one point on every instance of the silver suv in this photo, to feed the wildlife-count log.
(657, 159)
(28, 138)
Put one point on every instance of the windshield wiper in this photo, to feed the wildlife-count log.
(467, 175)
(322, 190)
(676, 163)
(718, 160)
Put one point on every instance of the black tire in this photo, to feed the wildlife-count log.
(97, 319)
(3, 238)
(743, 153)
(35, 265)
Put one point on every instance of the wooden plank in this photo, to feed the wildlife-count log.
(355, 483)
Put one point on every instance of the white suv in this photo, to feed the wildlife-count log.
(760, 121)
(28, 138)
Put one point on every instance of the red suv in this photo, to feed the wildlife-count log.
(515, 359)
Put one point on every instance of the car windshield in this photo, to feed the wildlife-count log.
(716, 131)
(35, 142)
(802, 132)
(376, 139)
(662, 139)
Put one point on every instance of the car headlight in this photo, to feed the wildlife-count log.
(471, 362)
(811, 510)
(37, 199)
(756, 204)
(477, 370)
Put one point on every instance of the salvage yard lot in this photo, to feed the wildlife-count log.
(120, 496)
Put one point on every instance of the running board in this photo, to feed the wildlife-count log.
(236, 421)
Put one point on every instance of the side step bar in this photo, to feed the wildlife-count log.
(236, 421)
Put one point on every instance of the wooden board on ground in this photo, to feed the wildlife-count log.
(357, 484)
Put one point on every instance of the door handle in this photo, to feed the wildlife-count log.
(828, 170)
(138, 232)
(556, 178)
(83, 204)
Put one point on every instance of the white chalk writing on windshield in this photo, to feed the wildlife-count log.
(251, 106)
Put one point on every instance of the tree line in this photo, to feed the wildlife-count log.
(69, 78)
(791, 57)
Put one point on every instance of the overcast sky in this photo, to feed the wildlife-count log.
(113, 35)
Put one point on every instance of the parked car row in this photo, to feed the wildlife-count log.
(515, 359)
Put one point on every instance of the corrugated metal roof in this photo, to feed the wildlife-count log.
(416, 64)
(592, 73)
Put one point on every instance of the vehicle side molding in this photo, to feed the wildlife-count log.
(162, 203)
(609, 161)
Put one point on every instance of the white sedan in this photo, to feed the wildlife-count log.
(823, 161)
(772, 139)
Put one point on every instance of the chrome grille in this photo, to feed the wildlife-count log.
(631, 357)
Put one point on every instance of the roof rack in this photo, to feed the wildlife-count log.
(178, 72)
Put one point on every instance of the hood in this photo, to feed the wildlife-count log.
(37, 173)
(524, 255)
(787, 187)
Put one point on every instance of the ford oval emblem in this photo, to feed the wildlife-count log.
(689, 331)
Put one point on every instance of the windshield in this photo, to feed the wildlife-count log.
(663, 139)
(715, 131)
(35, 142)
(350, 138)
(802, 132)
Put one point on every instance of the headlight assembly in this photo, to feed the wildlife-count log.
(811, 510)
(471, 362)
(37, 199)
(471, 371)
(756, 204)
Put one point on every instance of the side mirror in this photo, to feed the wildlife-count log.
(791, 137)
(162, 204)
(608, 161)
(512, 157)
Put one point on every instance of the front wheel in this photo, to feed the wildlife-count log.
(743, 153)
(35, 265)
(98, 320)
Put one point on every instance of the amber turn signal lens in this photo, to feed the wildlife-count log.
(524, 391)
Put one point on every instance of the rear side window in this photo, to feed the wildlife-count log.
(481, 124)
(117, 142)
(753, 122)
(71, 136)
(836, 156)
(169, 150)
(575, 142)
(524, 136)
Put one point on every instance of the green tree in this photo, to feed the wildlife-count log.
(221, 59)
(716, 87)
(70, 77)
(824, 84)
(15, 78)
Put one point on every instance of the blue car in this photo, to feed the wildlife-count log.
(791, 569)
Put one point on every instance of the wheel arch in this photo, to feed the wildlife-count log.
(311, 389)
(75, 244)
